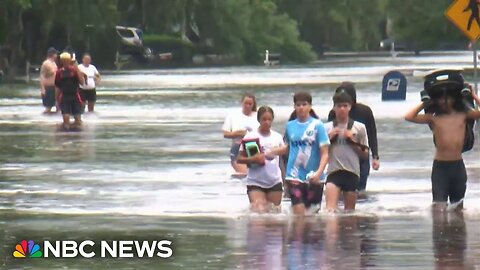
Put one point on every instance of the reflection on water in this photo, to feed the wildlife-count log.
(152, 162)
(449, 241)
(265, 241)
(342, 242)
(256, 242)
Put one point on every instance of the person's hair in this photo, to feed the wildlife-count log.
(293, 115)
(262, 110)
(342, 97)
(349, 88)
(302, 96)
(86, 54)
(252, 96)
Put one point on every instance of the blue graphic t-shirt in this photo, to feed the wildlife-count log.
(304, 140)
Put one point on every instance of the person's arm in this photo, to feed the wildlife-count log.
(324, 144)
(360, 148)
(475, 113)
(57, 87)
(258, 158)
(333, 133)
(323, 163)
(228, 133)
(234, 134)
(43, 72)
(97, 75)
(42, 88)
(413, 116)
(80, 75)
(371, 127)
(280, 150)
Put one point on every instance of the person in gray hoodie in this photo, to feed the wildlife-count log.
(363, 114)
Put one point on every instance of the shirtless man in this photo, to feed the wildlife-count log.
(449, 177)
(47, 80)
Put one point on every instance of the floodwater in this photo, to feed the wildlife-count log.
(152, 164)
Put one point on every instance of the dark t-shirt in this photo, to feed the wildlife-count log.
(67, 81)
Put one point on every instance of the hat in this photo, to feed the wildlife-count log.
(342, 97)
(349, 88)
(52, 51)
(444, 79)
(65, 56)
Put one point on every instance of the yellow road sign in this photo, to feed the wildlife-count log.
(465, 14)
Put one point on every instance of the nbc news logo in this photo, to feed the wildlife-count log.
(27, 250)
(89, 249)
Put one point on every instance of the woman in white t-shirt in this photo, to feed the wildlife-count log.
(264, 178)
(92, 77)
(236, 126)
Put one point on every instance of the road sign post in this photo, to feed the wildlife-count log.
(465, 14)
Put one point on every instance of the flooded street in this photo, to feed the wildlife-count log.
(152, 164)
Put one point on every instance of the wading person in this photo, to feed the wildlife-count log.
(363, 114)
(307, 148)
(47, 80)
(88, 93)
(236, 125)
(67, 81)
(348, 144)
(447, 115)
(264, 178)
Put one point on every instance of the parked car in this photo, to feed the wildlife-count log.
(391, 44)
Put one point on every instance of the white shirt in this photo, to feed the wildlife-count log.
(269, 175)
(239, 121)
(90, 71)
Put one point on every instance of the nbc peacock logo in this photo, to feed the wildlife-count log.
(27, 250)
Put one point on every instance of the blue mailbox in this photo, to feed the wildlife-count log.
(394, 86)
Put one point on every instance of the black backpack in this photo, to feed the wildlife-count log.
(469, 136)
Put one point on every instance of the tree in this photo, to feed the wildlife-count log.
(246, 28)
(11, 24)
(423, 22)
(337, 24)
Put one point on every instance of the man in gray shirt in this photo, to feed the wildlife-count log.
(349, 143)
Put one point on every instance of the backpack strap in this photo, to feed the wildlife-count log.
(349, 125)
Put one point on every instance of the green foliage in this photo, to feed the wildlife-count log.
(246, 28)
(297, 29)
(423, 22)
(339, 24)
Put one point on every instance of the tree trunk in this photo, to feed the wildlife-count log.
(13, 53)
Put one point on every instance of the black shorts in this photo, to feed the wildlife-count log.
(307, 194)
(449, 180)
(48, 99)
(345, 180)
(71, 105)
(277, 187)
(88, 95)
(234, 150)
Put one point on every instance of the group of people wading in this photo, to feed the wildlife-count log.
(67, 86)
(335, 155)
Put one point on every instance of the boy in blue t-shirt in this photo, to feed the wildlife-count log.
(307, 147)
